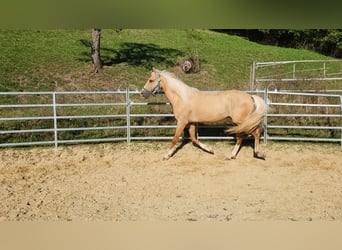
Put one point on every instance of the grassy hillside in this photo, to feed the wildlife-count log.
(60, 59)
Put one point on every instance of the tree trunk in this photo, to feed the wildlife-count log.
(95, 49)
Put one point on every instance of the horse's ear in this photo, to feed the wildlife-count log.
(153, 69)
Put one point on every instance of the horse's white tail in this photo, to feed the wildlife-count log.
(254, 120)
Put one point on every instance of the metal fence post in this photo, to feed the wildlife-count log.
(128, 114)
(341, 118)
(252, 78)
(55, 119)
(294, 71)
(265, 118)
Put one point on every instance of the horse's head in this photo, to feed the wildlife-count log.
(152, 86)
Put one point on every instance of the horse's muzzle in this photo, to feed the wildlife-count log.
(145, 93)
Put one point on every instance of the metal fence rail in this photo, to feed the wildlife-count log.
(122, 116)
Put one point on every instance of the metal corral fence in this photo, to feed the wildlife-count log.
(43, 118)
(291, 71)
(303, 116)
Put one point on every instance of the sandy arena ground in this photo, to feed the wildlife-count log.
(131, 182)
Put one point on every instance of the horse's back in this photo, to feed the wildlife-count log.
(223, 97)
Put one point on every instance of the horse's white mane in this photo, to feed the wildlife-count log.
(177, 85)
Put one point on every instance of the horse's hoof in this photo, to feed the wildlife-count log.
(205, 148)
(165, 158)
(260, 156)
(231, 158)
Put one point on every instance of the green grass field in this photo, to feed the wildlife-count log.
(60, 59)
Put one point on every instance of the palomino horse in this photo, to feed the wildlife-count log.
(191, 106)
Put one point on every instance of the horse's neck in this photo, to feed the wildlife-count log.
(172, 95)
(177, 92)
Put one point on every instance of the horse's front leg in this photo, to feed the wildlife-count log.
(192, 133)
(179, 130)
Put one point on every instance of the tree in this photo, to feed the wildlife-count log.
(95, 49)
(324, 41)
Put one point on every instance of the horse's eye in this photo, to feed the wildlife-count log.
(151, 80)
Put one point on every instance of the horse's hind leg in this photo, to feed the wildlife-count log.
(257, 153)
(192, 133)
(179, 130)
(237, 146)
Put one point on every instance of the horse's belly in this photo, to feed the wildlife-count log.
(208, 115)
(209, 107)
